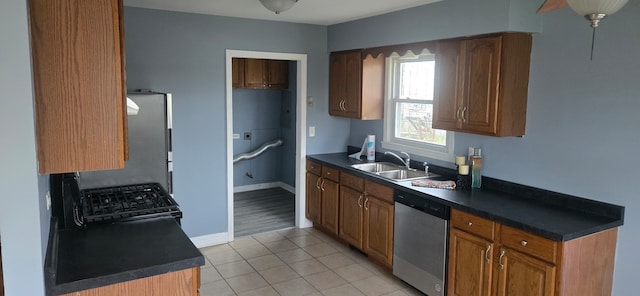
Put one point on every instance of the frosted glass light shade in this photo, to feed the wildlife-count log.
(586, 7)
(278, 6)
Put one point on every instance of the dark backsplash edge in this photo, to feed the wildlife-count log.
(523, 191)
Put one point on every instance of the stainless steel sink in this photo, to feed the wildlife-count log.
(391, 171)
(376, 167)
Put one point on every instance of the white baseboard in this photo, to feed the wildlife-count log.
(210, 239)
(260, 186)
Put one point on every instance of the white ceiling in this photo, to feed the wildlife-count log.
(318, 12)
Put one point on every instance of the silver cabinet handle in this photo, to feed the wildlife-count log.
(458, 113)
(486, 254)
(343, 105)
(500, 260)
(464, 109)
(365, 204)
(360, 201)
(524, 243)
(469, 223)
(318, 183)
(322, 185)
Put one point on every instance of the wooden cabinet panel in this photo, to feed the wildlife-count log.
(329, 212)
(482, 84)
(351, 216)
(254, 70)
(528, 243)
(266, 74)
(470, 264)
(352, 181)
(330, 173)
(237, 72)
(78, 73)
(482, 61)
(180, 283)
(312, 204)
(314, 168)
(277, 74)
(523, 275)
(356, 85)
(446, 108)
(472, 224)
(378, 230)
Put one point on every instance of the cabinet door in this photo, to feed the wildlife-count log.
(482, 63)
(237, 72)
(470, 265)
(447, 104)
(351, 219)
(254, 73)
(330, 202)
(78, 74)
(278, 74)
(353, 90)
(519, 274)
(312, 205)
(337, 84)
(378, 230)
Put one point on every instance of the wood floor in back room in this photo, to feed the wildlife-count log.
(262, 211)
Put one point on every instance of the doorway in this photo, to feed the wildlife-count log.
(298, 99)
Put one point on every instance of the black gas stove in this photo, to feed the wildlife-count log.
(127, 202)
(123, 203)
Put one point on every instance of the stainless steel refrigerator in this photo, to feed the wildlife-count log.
(149, 139)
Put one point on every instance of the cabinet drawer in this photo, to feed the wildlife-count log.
(528, 243)
(352, 181)
(314, 168)
(472, 224)
(330, 173)
(382, 192)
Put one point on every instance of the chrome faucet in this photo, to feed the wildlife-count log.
(406, 162)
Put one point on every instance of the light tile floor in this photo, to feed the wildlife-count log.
(294, 262)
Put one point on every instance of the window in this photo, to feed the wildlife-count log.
(409, 108)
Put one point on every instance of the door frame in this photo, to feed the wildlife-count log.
(301, 128)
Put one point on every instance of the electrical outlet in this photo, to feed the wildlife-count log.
(247, 136)
(236, 136)
(472, 152)
(312, 131)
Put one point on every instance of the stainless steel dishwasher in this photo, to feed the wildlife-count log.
(420, 242)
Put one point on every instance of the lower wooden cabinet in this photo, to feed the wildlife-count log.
(312, 205)
(378, 225)
(519, 274)
(487, 258)
(179, 283)
(470, 264)
(322, 200)
(351, 216)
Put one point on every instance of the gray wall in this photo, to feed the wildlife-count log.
(23, 216)
(184, 54)
(582, 115)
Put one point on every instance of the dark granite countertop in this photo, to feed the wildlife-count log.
(100, 255)
(548, 214)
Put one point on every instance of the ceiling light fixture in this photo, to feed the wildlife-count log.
(278, 6)
(594, 11)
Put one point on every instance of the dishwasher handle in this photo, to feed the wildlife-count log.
(423, 204)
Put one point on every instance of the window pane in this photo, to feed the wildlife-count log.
(416, 80)
(413, 122)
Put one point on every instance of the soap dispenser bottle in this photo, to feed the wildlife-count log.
(476, 169)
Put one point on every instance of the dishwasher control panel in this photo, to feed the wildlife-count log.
(422, 204)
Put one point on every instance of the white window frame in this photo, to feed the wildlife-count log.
(392, 75)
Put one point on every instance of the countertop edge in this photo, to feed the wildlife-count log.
(503, 220)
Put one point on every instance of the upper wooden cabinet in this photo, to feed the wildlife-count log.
(237, 72)
(79, 84)
(482, 84)
(260, 73)
(356, 85)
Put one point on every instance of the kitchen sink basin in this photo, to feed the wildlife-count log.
(376, 167)
(392, 171)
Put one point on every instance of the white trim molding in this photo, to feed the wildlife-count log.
(301, 128)
(210, 240)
